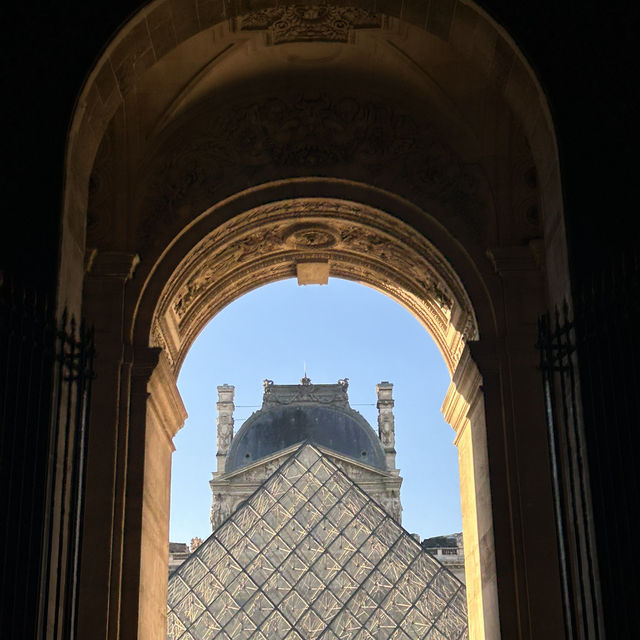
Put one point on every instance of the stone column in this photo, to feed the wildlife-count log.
(386, 422)
(157, 413)
(496, 405)
(224, 423)
(464, 409)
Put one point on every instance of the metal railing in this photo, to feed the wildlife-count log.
(557, 348)
(45, 387)
(591, 384)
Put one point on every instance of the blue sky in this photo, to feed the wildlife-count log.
(339, 330)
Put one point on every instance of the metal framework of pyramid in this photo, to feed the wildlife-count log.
(310, 556)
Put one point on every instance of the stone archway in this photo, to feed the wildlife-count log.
(336, 238)
(200, 273)
(322, 237)
(190, 124)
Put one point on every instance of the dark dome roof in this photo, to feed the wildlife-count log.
(270, 430)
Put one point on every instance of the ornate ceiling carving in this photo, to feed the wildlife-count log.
(309, 23)
(358, 243)
(282, 136)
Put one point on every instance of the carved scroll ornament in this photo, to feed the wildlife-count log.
(359, 243)
(309, 23)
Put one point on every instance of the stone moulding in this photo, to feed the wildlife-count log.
(358, 242)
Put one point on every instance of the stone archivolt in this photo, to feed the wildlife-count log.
(358, 243)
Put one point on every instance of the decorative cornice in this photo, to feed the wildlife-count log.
(112, 264)
(514, 258)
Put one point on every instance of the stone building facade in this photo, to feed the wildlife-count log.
(290, 414)
(449, 551)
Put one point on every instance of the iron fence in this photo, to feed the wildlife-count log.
(45, 388)
(588, 361)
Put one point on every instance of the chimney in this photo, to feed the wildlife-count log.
(386, 422)
(224, 423)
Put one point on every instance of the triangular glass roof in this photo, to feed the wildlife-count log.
(310, 556)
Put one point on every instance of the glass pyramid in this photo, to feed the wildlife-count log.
(309, 556)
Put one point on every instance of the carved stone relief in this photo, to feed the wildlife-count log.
(221, 507)
(349, 238)
(282, 136)
(326, 394)
(307, 23)
(224, 421)
(225, 433)
(386, 429)
(366, 245)
(159, 340)
(391, 503)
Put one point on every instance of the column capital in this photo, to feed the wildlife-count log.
(153, 376)
(463, 393)
(487, 354)
(144, 360)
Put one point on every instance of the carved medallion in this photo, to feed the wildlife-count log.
(310, 236)
(309, 23)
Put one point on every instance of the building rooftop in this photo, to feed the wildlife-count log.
(316, 413)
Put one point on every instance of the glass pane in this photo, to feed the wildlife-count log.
(310, 556)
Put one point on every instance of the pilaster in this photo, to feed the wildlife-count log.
(463, 408)
(103, 523)
(157, 413)
(524, 520)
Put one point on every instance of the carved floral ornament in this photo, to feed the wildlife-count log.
(240, 144)
(359, 243)
(309, 23)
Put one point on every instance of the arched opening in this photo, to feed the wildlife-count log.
(336, 238)
(312, 239)
(341, 329)
(233, 156)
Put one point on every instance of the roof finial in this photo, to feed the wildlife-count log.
(304, 380)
